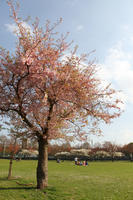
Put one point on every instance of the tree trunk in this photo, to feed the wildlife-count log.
(42, 168)
(10, 169)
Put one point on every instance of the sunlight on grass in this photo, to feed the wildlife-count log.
(98, 181)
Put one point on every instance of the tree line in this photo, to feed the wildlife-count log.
(106, 151)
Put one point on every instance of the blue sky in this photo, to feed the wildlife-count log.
(101, 25)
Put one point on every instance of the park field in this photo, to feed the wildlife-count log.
(98, 181)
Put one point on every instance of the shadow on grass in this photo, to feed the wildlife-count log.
(3, 178)
(49, 189)
(17, 188)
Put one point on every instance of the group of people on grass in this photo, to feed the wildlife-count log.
(81, 163)
(77, 162)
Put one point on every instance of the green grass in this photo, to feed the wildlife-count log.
(98, 181)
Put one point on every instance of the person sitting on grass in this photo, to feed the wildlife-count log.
(58, 160)
(76, 160)
(86, 163)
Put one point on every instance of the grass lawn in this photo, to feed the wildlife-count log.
(98, 181)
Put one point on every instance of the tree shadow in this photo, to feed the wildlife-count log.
(3, 178)
(17, 188)
(49, 189)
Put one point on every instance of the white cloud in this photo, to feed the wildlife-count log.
(117, 68)
(11, 28)
(79, 27)
(14, 29)
(125, 136)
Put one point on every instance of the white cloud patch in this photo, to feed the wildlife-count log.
(11, 28)
(14, 29)
(118, 68)
(79, 28)
(125, 136)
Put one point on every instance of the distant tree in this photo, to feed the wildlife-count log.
(22, 133)
(3, 143)
(85, 145)
(66, 146)
(94, 150)
(8, 145)
(53, 149)
(97, 146)
(54, 95)
(12, 150)
(128, 150)
(111, 148)
(56, 148)
(17, 132)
